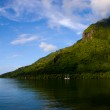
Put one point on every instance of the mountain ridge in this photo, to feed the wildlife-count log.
(88, 55)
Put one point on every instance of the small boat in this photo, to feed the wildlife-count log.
(67, 77)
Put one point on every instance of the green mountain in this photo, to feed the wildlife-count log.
(91, 55)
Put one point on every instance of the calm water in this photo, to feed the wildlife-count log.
(54, 94)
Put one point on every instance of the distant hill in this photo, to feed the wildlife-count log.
(91, 54)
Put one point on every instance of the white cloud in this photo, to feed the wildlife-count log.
(58, 17)
(25, 38)
(101, 8)
(47, 47)
(72, 14)
(19, 10)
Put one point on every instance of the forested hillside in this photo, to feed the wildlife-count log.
(91, 54)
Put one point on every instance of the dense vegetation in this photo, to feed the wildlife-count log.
(90, 55)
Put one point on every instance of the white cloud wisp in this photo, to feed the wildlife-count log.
(47, 47)
(24, 38)
(72, 14)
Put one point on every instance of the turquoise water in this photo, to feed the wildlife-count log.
(54, 94)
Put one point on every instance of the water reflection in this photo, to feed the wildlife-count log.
(54, 94)
(73, 94)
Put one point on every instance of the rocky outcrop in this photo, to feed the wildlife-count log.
(88, 35)
(56, 58)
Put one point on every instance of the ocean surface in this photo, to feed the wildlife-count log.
(54, 94)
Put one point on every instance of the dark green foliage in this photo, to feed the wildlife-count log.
(86, 56)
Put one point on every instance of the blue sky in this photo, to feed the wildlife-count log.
(32, 29)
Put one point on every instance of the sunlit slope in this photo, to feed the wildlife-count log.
(91, 54)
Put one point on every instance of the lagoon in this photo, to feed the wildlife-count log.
(54, 94)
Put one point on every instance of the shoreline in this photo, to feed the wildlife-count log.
(62, 76)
